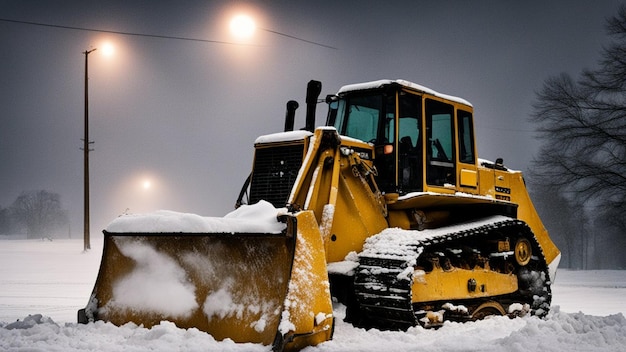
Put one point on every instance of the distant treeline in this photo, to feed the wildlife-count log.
(34, 213)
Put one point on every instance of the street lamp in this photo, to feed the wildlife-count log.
(242, 26)
(86, 151)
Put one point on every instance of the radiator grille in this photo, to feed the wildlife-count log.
(274, 174)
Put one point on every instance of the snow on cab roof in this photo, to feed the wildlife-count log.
(411, 85)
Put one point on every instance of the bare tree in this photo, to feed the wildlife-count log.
(565, 222)
(5, 221)
(40, 212)
(582, 123)
(583, 126)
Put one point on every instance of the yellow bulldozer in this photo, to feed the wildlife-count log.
(386, 209)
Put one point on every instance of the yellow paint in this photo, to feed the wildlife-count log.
(335, 181)
(493, 182)
(249, 270)
(308, 305)
(440, 285)
(469, 178)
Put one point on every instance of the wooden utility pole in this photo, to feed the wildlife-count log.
(86, 143)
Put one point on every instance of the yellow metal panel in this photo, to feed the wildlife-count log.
(235, 284)
(510, 186)
(453, 284)
(432, 200)
(356, 217)
(308, 315)
(399, 219)
(528, 213)
(469, 178)
(334, 186)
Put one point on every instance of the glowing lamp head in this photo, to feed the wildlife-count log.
(242, 26)
(108, 49)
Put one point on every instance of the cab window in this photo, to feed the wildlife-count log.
(466, 137)
(409, 143)
(361, 117)
(440, 142)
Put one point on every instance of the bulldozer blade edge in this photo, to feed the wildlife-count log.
(234, 286)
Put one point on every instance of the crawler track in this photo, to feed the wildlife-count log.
(387, 266)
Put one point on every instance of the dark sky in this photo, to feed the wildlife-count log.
(185, 114)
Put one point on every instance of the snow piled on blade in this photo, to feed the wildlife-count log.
(220, 303)
(157, 284)
(256, 218)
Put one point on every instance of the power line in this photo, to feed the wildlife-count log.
(117, 32)
(157, 35)
(300, 39)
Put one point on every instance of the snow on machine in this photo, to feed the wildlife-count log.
(387, 208)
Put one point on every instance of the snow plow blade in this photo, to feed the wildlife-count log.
(267, 288)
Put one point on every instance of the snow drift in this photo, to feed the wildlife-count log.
(44, 283)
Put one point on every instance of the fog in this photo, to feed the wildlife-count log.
(184, 114)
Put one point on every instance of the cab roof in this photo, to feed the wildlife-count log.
(414, 86)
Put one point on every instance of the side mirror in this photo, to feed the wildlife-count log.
(333, 105)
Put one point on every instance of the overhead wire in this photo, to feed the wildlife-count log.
(161, 36)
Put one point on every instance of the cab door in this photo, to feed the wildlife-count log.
(440, 146)
(409, 146)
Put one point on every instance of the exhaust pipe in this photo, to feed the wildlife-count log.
(292, 106)
(313, 90)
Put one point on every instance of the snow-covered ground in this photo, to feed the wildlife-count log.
(51, 280)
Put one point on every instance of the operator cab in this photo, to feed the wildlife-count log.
(408, 124)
